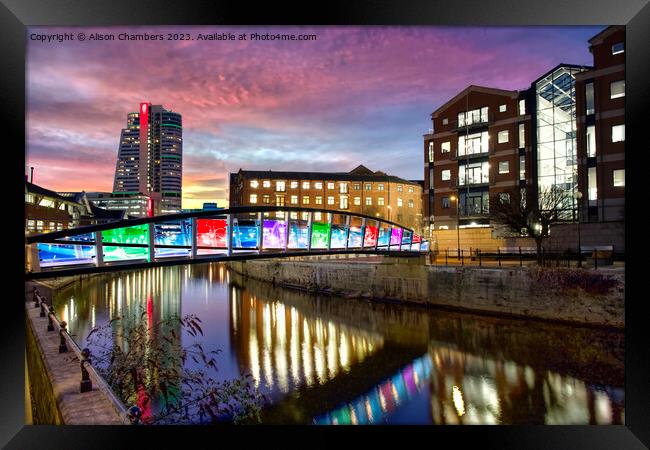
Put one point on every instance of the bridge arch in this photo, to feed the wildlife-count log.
(236, 233)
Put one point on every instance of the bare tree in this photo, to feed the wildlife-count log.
(553, 205)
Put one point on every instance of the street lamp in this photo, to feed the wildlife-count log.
(453, 198)
(578, 196)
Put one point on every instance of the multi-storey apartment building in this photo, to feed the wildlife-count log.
(150, 158)
(566, 130)
(600, 96)
(477, 148)
(358, 191)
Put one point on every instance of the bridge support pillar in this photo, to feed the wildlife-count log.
(193, 239)
(286, 231)
(309, 221)
(151, 241)
(99, 249)
(260, 232)
(347, 232)
(330, 217)
(229, 235)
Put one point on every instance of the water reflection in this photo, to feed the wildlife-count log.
(330, 360)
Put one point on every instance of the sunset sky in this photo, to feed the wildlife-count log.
(357, 95)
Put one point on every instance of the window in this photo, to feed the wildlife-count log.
(617, 48)
(46, 202)
(280, 186)
(305, 184)
(357, 201)
(294, 185)
(619, 177)
(522, 167)
(445, 203)
(591, 140)
(343, 188)
(380, 187)
(474, 116)
(473, 143)
(330, 185)
(502, 108)
(399, 202)
(293, 215)
(445, 175)
(279, 200)
(474, 173)
(253, 198)
(266, 199)
(29, 198)
(411, 203)
(589, 98)
(266, 183)
(305, 199)
(294, 199)
(618, 133)
(522, 135)
(591, 183)
(617, 89)
(368, 201)
(39, 225)
(380, 201)
(445, 121)
(305, 216)
(411, 189)
(431, 181)
(430, 151)
(319, 200)
(279, 215)
(356, 186)
(400, 188)
(504, 166)
(474, 203)
(318, 216)
(445, 147)
(368, 187)
(318, 185)
(343, 202)
(330, 200)
(504, 197)
(522, 107)
(502, 136)
(255, 184)
(31, 224)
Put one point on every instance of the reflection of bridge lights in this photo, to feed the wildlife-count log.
(459, 404)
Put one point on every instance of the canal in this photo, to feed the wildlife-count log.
(323, 359)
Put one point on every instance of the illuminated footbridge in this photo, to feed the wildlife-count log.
(236, 233)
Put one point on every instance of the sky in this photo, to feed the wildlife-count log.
(355, 95)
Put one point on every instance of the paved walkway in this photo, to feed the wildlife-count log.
(88, 408)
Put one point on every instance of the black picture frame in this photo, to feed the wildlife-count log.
(16, 15)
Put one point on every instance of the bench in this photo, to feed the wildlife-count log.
(600, 254)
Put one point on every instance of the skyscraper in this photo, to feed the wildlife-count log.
(150, 158)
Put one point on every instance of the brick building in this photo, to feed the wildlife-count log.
(566, 130)
(477, 150)
(358, 191)
(600, 96)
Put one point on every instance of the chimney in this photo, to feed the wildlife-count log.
(31, 174)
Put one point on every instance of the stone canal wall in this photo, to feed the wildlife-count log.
(584, 296)
(54, 378)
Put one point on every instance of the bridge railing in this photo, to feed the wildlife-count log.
(219, 234)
